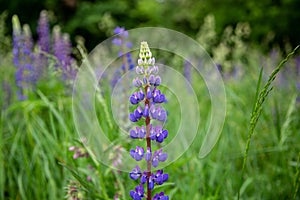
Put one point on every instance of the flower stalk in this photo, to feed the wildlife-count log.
(151, 96)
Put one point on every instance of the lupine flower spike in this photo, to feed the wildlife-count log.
(43, 44)
(22, 58)
(43, 31)
(147, 98)
(121, 41)
(62, 50)
(123, 45)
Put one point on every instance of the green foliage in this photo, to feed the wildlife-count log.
(5, 42)
(272, 22)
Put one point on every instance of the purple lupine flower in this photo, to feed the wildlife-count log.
(160, 177)
(137, 154)
(17, 39)
(158, 113)
(136, 97)
(138, 194)
(62, 50)
(138, 133)
(121, 42)
(29, 57)
(123, 34)
(135, 173)
(43, 30)
(159, 156)
(23, 58)
(158, 134)
(160, 196)
(148, 94)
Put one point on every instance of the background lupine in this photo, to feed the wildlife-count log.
(62, 50)
(43, 44)
(43, 31)
(23, 58)
(32, 66)
(121, 42)
(150, 96)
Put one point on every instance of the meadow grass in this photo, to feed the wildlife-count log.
(35, 136)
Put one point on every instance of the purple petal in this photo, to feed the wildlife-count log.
(151, 79)
(162, 115)
(137, 82)
(157, 81)
(148, 154)
(129, 45)
(142, 132)
(149, 93)
(117, 41)
(132, 193)
(141, 95)
(133, 134)
(165, 133)
(154, 162)
(165, 177)
(163, 157)
(145, 80)
(133, 99)
(132, 117)
(146, 111)
(132, 153)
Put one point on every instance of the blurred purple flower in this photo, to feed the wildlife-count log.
(127, 64)
(62, 50)
(44, 46)
(23, 58)
(43, 31)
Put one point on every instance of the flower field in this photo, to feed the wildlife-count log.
(149, 129)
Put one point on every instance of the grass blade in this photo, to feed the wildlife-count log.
(257, 109)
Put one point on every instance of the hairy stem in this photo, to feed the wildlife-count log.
(148, 146)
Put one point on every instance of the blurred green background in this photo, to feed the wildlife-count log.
(272, 22)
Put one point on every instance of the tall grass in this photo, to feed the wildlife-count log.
(258, 105)
(35, 162)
